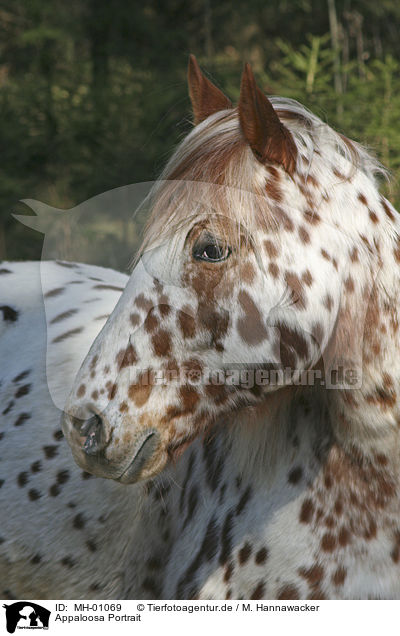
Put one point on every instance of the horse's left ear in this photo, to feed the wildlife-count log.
(268, 138)
(206, 98)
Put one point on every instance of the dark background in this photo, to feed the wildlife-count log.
(93, 93)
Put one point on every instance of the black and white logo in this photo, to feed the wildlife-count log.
(26, 615)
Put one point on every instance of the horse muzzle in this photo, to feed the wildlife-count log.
(99, 449)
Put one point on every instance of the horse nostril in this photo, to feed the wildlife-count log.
(95, 439)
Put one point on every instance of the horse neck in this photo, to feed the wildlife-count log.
(362, 422)
(268, 440)
(367, 418)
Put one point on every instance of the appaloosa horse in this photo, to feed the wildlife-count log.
(246, 381)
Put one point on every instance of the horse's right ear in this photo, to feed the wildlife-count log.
(268, 138)
(206, 98)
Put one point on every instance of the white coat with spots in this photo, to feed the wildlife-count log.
(243, 392)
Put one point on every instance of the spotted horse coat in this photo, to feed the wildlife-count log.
(59, 525)
(245, 385)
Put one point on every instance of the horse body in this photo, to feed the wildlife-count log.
(244, 387)
(59, 525)
(289, 535)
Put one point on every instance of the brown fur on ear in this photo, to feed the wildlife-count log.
(206, 98)
(268, 138)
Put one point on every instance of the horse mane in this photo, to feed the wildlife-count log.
(214, 175)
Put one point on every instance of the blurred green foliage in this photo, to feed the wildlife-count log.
(93, 93)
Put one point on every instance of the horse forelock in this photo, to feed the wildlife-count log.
(213, 174)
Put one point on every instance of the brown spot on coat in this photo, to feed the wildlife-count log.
(78, 521)
(307, 278)
(318, 332)
(273, 270)
(271, 248)
(258, 592)
(349, 284)
(251, 327)
(22, 418)
(292, 346)
(228, 572)
(304, 235)
(328, 302)
(67, 334)
(34, 494)
(247, 272)
(126, 357)
(387, 209)
(54, 292)
(63, 316)
(325, 254)
(67, 561)
(313, 575)
(295, 284)
(306, 511)
(143, 303)
(283, 219)
(186, 323)
(243, 501)
(23, 390)
(81, 390)
(288, 593)
(339, 174)
(140, 391)
(312, 217)
(50, 451)
(354, 255)
(244, 553)
(373, 216)
(261, 556)
(161, 342)
(112, 390)
(135, 319)
(295, 475)
(8, 407)
(339, 576)
(151, 323)
(189, 398)
(22, 479)
(328, 542)
(274, 191)
(343, 536)
(109, 287)
(91, 546)
(21, 376)
(311, 180)
(62, 476)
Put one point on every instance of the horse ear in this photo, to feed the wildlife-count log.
(268, 138)
(206, 98)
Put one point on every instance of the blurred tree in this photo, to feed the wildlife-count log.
(93, 94)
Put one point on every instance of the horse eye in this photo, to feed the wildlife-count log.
(210, 250)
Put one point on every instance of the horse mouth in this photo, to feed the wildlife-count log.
(93, 452)
(145, 451)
